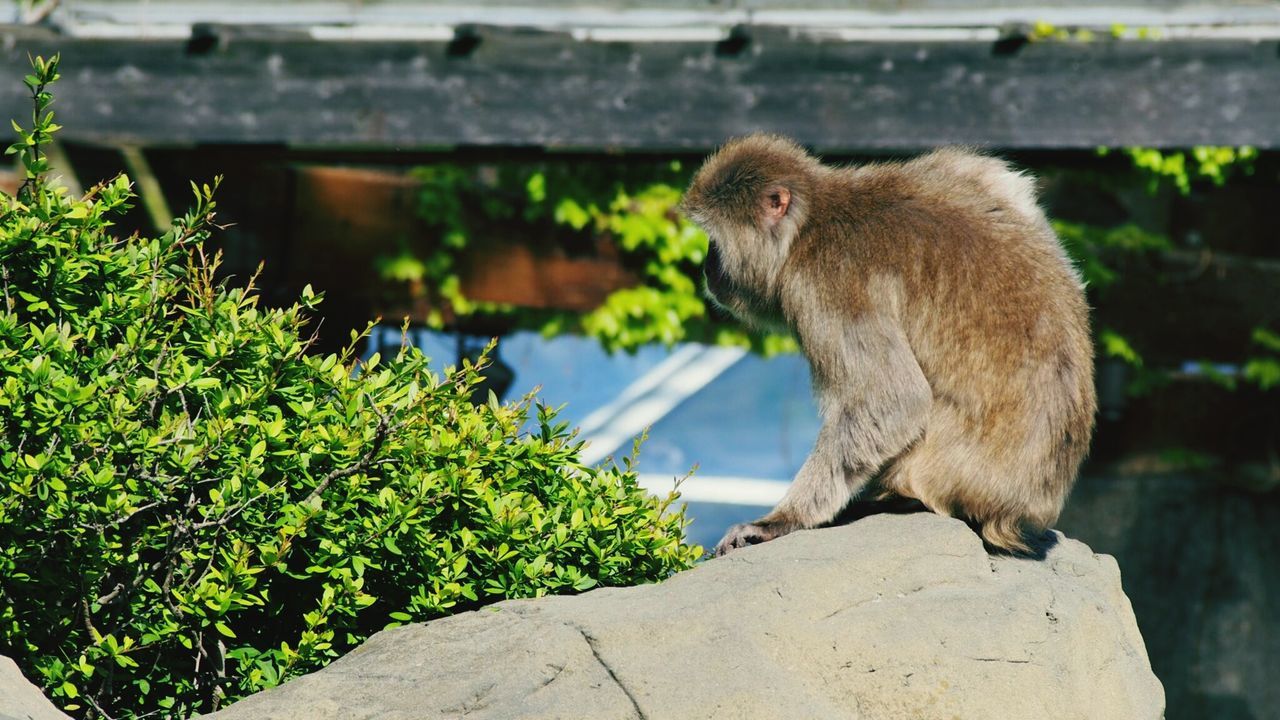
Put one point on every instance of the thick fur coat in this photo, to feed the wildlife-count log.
(946, 328)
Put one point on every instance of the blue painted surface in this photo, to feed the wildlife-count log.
(574, 371)
(756, 420)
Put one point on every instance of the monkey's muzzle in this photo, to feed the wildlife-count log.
(713, 272)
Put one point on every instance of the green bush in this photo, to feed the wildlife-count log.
(194, 508)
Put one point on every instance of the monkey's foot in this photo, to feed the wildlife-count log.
(753, 533)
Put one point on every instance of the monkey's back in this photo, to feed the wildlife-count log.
(996, 318)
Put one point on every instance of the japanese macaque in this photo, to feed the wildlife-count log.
(945, 327)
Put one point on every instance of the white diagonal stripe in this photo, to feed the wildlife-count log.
(652, 396)
(718, 489)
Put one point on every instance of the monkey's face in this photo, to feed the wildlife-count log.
(731, 295)
(736, 284)
(713, 274)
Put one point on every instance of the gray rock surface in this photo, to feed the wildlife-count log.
(893, 616)
(19, 699)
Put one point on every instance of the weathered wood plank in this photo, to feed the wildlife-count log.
(515, 88)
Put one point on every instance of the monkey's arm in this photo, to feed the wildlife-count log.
(874, 400)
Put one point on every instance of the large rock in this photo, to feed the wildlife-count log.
(1199, 558)
(889, 617)
(19, 699)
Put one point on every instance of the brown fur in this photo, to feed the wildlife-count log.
(946, 329)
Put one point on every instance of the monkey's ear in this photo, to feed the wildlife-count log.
(777, 200)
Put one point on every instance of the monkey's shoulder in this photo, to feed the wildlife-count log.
(940, 184)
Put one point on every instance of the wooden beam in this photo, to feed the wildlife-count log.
(505, 87)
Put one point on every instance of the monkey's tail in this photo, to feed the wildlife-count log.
(1006, 533)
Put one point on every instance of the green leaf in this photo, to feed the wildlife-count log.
(1113, 345)
(1267, 339)
(390, 544)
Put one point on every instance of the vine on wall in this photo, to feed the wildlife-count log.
(630, 209)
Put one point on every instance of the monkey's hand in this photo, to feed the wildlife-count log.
(752, 533)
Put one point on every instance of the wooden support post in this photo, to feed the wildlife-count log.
(148, 187)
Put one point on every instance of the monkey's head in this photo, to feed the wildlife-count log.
(751, 197)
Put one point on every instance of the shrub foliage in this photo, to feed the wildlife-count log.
(194, 508)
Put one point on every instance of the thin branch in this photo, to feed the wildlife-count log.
(88, 622)
(98, 707)
(384, 426)
(232, 514)
(115, 592)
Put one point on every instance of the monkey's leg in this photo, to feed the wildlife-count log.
(819, 492)
(875, 401)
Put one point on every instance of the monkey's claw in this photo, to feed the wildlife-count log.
(744, 534)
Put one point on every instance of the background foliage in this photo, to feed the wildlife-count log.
(630, 208)
(194, 508)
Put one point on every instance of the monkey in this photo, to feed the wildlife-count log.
(945, 328)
